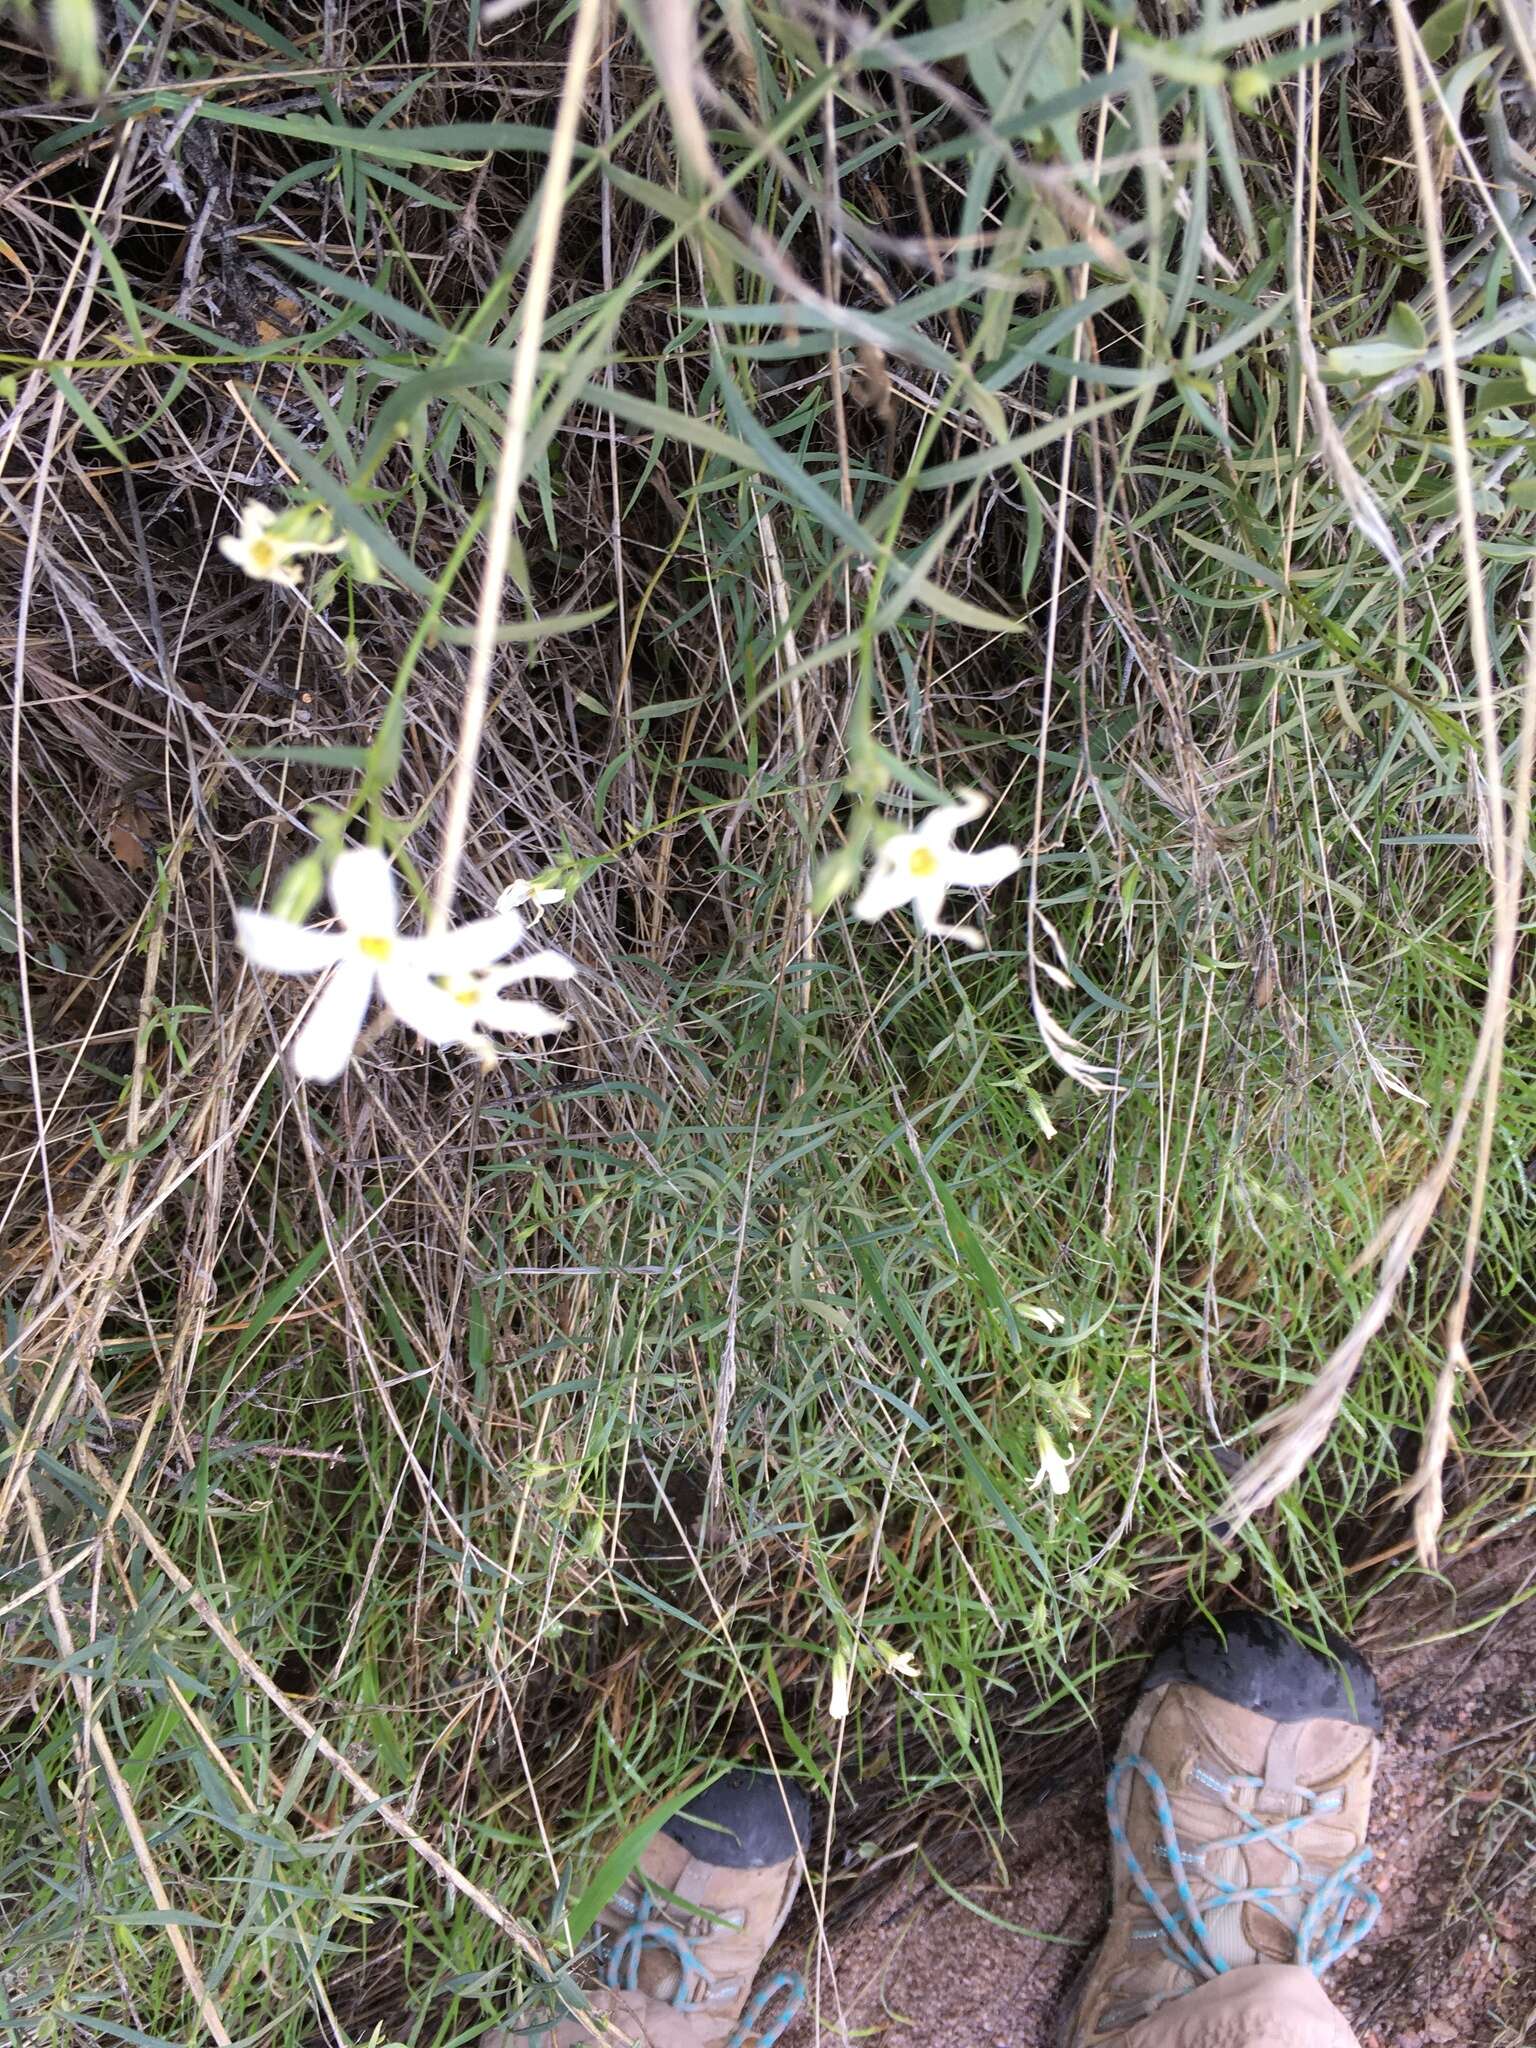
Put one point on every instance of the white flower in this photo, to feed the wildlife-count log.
(416, 978)
(540, 894)
(1053, 1466)
(485, 1008)
(266, 556)
(922, 867)
(900, 1663)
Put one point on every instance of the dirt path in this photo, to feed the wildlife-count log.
(1453, 1958)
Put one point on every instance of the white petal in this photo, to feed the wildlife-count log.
(981, 870)
(897, 851)
(546, 965)
(485, 1050)
(283, 947)
(472, 946)
(1053, 1466)
(255, 518)
(528, 1020)
(928, 908)
(234, 550)
(928, 893)
(842, 1687)
(325, 1044)
(887, 887)
(363, 890)
(941, 825)
(967, 934)
(421, 1005)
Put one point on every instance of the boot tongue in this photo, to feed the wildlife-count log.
(1283, 1796)
(1243, 1932)
(1235, 1933)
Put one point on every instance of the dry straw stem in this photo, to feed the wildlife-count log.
(1426, 1488)
(509, 469)
(672, 45)
(1300, 1430)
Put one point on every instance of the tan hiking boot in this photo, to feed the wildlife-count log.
(686, 1936)
(1238, 1809)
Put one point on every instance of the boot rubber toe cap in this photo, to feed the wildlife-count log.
(1253, 1661)
(747, 1820)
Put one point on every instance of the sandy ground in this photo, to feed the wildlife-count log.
(1453, 1958)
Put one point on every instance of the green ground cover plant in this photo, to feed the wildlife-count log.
(725, 436)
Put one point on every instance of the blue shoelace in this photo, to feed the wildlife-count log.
(695, 1981)
(1321, 1933)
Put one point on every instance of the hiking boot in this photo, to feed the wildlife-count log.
(1238, 1808)
(684, 1939)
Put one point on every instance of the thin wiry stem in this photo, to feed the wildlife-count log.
(509, 466)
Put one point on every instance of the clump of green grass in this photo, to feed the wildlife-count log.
(939, 415)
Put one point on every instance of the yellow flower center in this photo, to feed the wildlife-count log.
(264, 555)
(921, 861)
(469, 997)
(375, 949)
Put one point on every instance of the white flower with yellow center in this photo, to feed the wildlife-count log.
(922, 867)
(484, 1008)
(269, 557)
(415, 978)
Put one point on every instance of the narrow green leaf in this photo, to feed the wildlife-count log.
(616, 1866)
